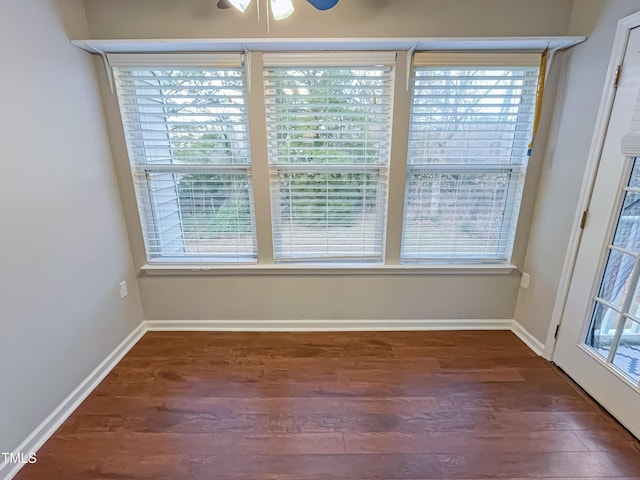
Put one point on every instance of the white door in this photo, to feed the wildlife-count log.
(599, 339)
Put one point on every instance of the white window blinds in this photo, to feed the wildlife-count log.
(328, 124)
(185, 123)
(471, 123)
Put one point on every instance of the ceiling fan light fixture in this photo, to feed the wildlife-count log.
(240, 5)
(282, 9)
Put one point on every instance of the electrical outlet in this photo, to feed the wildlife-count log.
(525, 280)
(123, 289)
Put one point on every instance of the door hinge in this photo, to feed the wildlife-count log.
(583, 220)
(555, 335)
(616, 78)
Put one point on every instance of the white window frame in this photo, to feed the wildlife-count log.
(142, 172)
(261, 171)
(276, 169)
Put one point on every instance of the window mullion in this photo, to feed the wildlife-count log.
(259, 159)
(398, 164)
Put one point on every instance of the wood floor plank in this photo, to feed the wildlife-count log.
(279, 420)
(606, 440)
(336, 406)
(341, 466)
(458, 442)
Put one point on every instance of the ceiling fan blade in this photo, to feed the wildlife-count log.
(223, 4)
(323, 4)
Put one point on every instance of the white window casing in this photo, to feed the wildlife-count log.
(328, 122)
(186, 126)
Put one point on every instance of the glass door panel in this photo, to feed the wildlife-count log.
(614, 330)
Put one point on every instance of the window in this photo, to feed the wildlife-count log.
(318, 166)
(185, 122)
(328, 129)
(471, 123)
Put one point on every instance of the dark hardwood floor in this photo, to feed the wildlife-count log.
(322, 406)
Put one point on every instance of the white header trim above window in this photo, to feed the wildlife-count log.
(466, 59)
(146, 60)
(331, 59)
(318, 44)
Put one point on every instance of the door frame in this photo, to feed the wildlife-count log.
(618, 50)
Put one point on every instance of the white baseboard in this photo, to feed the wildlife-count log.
(324, 325)
(49, 425)
(529, 340)
(345, 326)
(41, 434)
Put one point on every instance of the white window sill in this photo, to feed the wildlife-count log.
(315, 269)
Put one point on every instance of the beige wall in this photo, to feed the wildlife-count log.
(64, 244)
(350, 18)
(330, 297)
(339, 297)
(566, 157)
